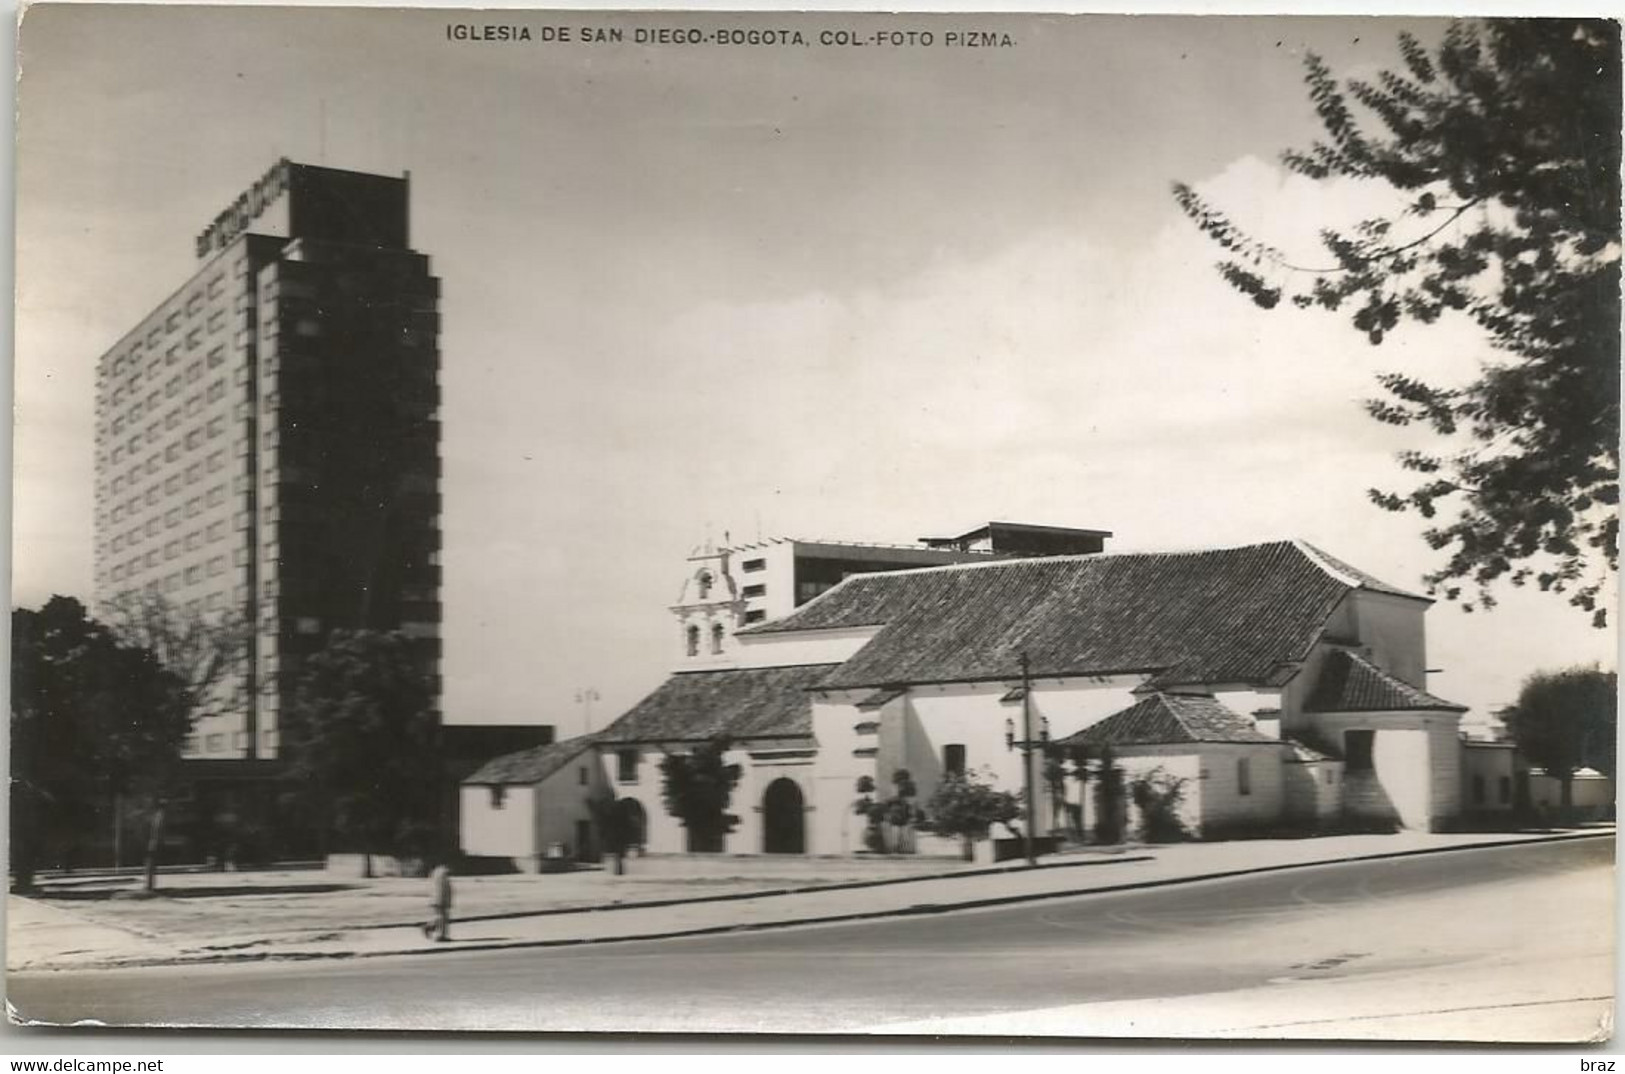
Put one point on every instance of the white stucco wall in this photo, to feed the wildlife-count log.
(911, 731)
(664, 834)
(973, 716)
(772, 760)
(844, 754)
(1224, 806)
(1313, 790)
(1393, 629)
(1416, 756)
(801, 647)
(750, 794)
(505, 832)
(561, 801)
(532, 816)
(1390, 632)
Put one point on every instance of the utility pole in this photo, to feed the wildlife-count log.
(1027, 743)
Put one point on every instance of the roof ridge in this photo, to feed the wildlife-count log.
(1071, 557)
(1350, 575)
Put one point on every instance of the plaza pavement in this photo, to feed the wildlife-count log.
(58, 936)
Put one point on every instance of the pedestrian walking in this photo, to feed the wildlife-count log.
(438, 927)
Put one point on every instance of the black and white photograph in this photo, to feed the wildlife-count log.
(833, 525)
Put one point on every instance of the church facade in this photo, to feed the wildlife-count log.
(1281, 687)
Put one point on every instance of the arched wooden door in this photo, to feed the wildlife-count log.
(784, 818)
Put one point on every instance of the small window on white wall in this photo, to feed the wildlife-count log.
(693, 635)
(1244, 776)
(953, 760)
(704, 580)
(716, 637)
(499, 797)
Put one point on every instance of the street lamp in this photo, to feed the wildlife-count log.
(585, 697)
(1027, 744)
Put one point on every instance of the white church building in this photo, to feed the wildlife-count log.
(1286, 687)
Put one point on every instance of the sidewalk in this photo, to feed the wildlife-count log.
(41, 936)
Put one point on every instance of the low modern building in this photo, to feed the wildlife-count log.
(1282, 685)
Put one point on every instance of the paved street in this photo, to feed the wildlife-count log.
(1525, 929)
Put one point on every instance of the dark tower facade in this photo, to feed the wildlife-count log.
(267, 439)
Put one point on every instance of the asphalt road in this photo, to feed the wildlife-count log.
(1491, 913)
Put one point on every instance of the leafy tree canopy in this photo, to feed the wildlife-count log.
(696, 789)
(968, 805)
(89, 716)
(363, 732)
(1567, 720)
(1502, 149)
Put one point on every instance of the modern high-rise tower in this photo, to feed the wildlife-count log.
(267, 439)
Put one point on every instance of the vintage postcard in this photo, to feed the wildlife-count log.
(1043, 525)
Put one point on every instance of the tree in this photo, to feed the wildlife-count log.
(968, 806)
(1566, 720)
(617, 826)
(891, 821)
(697, 788)
(1159, 794)
(364, 736)
(208, 655)
(89, 715)
(1502, 151)
(1109, 798)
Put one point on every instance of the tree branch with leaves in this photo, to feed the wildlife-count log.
(1502, 150)
(208, 655)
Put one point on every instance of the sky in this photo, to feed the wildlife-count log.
(700, 293)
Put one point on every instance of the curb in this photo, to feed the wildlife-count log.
(918, 909)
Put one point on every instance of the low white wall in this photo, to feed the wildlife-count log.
(1585, 793)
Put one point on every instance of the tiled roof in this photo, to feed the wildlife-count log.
(1162, 719)
(741, 704)
(1351, 683)
(1237, 615)
(532, 765)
